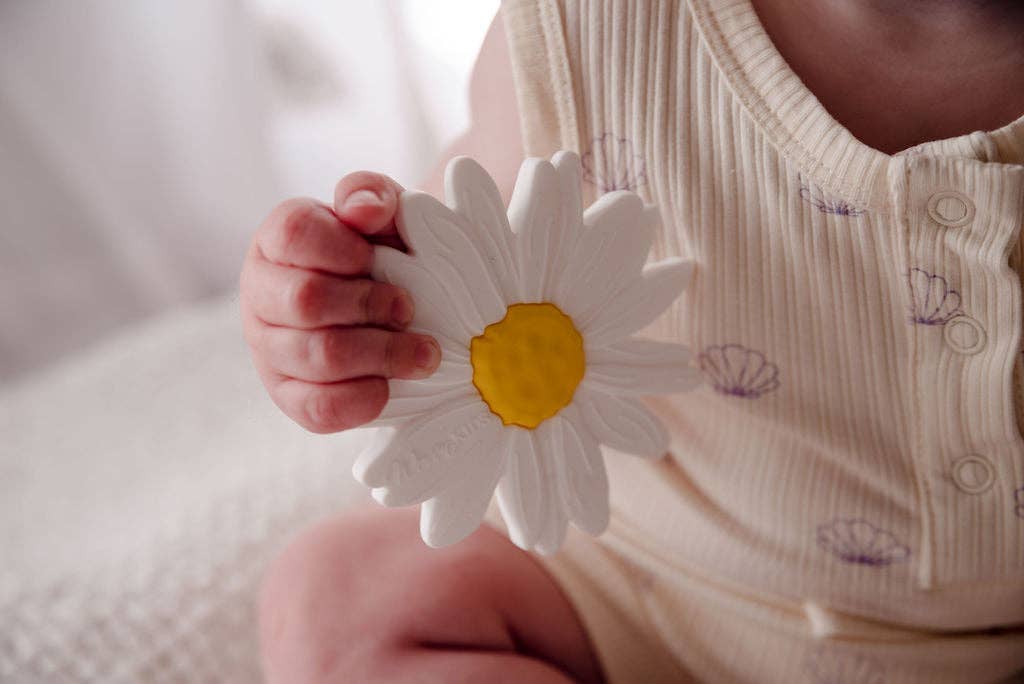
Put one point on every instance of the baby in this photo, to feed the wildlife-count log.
(843, 500)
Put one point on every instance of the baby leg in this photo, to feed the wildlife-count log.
(360, 598)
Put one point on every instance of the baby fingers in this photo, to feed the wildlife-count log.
(326, 408)
(299, 298)
(334, 354)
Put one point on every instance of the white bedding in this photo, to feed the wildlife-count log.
(144, 484)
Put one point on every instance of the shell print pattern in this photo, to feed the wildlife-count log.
(858, 541)
(826, 205)
(933, 301)
(611, 164)
(737, 371)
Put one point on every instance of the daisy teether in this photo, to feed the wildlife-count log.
(534, 309)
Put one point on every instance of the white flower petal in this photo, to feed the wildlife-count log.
(451, 352)
(437, 307)
(610, 254)
(639, 304)
(622, 226)
(553, 518)
(424, 452)
(636, 366)
(582, 480)
(453, 371)
(454, 513)
(409, 398)
(471, 192)
(544, 230)
(622, 423)
(570, 174)
(380, 438)
(555, 522)
(450, 383)
(448, 246)
(521, 491)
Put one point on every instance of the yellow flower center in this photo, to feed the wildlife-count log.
(527, 365)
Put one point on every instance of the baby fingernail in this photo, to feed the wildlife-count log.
(401, 311)
(363, 198)
(427, 354)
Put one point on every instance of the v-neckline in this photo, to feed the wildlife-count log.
(795, 120)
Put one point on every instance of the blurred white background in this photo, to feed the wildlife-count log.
(142, 142)
(146, 478)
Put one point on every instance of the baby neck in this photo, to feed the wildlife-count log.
(901, 72)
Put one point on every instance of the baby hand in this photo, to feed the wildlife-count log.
(323, 335)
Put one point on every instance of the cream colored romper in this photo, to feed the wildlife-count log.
(844, 499)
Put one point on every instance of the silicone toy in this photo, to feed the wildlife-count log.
(534, 309)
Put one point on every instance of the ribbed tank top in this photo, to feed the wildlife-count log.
(856, 316)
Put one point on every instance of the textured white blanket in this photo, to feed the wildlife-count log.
(144, 484)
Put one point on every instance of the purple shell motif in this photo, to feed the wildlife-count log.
(858, 541)
(933, 301)
(825, 205)
(1018, 498)
(734, 370)
(610, 164)
(825, 666)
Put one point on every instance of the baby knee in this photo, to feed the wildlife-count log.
(349, 593)
(315, 602)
